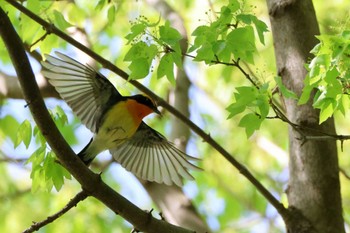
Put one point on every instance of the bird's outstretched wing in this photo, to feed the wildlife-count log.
(150, 156)
(85, 90)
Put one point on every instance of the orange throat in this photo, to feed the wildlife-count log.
(137, 111)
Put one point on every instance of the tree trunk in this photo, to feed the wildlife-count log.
(314, 187)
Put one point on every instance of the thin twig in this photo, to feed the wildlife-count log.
(342, 171)
(72, 203)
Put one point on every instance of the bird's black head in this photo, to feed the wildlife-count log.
(145, 100)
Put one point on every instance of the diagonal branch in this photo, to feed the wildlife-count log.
(206, 137)
(91, 182)
(81, 196)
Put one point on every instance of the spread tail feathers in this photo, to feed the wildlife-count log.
(83, 156)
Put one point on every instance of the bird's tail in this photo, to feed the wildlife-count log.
(83, 155)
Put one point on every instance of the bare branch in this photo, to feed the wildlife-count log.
(72, 203)
(345, 174)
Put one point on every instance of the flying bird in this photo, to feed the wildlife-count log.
(117, 123)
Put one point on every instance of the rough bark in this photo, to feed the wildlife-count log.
(175, 205)
(314, 187)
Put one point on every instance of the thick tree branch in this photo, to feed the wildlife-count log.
(81, 196)
(91, 183)
(206, 137)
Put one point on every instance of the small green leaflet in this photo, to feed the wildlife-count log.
(24, 134)
(327, 109)
(241, 42)
(328, 74)
(251, 122)
(255, 100)
(283, 89)
(166, 68)
(60, 116)
(260, 26)
(141, 56)
(136, 31)
(243, 98)
(169, 35)
(54, 172)
(60, 21)
(46, 172)
(111, 14)
(7, 124)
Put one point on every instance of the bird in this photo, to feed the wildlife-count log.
(116, 122)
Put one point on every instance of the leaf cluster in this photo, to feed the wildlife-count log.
(231, 35)
(46, 171)
(328, 74)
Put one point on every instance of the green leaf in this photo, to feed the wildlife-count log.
(7, 126)
(177, 58)
(136, 30)
(221, 50)
(139, 68)
(24, 134)
(37, 157)
(241, 43)
(234, 5)
(305, 95)
(204, 36)
(37, 174)
(51, 41)
(203, 29)
(141, 56)
(141, 50)
(111, 14)
(39, 138)
(283, 89)
(60, 116)
(327, 109)
(100, 5)
(38, 181)
(60, 21)
(169, 35)
(166, 68)
(260, 26)
(46, 172)
(263, 105)
(251, 122)
(205, 53)
(243, 98)
(235, 109)
(54, 172)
